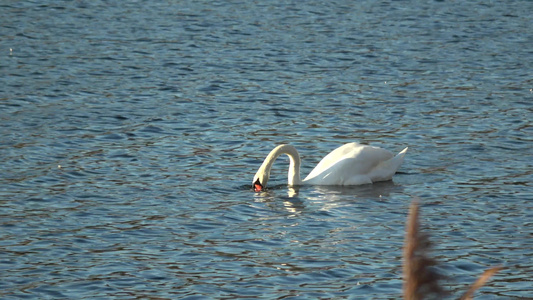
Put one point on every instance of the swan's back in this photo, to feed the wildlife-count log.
(353, 164)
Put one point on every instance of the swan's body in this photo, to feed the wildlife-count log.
(350, 164)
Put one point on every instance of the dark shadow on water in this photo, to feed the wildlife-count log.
(297, 199)
(377, 189)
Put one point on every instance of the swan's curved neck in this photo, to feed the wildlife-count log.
(294, 167)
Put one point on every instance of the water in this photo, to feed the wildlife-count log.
(131, 132)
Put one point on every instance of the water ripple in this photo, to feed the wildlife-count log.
(130, 135)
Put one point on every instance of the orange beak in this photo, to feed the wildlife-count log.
(257, 186)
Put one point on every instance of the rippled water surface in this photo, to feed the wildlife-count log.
(131, 131)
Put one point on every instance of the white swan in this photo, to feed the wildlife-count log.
(350, 164)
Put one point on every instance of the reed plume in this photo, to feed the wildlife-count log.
(420, 280)
(480, 282)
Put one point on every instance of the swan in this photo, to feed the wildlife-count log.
(350, 164)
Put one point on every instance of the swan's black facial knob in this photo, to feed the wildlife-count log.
(257, 186)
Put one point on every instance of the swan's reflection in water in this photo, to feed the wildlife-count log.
(293, 192)
(298, 199)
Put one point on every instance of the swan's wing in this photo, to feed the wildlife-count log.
(349, 163)
(343, 172)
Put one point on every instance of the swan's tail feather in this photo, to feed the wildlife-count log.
(397, 161)
(385, 170)
(394, 163)
(402, 153)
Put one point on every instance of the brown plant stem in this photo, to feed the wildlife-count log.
(480, 282)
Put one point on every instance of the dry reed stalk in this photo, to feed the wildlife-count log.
(480, 282)
(420, 280)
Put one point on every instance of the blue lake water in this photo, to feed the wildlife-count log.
(131, 130)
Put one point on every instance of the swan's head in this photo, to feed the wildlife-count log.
(260, 181)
